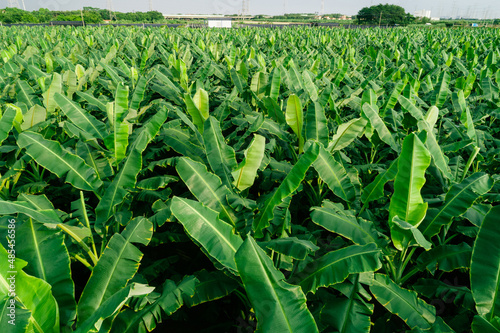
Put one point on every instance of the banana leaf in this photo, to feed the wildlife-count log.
(291, 246)
(80, 117)
(7, 122)
(116, 266)
(485, 267)
(375, 190)
(279, 306)
(287, 187)
(316, 126)
(334, 267)
(407, 202)
(295, 118)
(346, 133)
(203, 225)
(403, 303)
(334, 218)
(459, 198)
(334, 175)
(48, 96)
(37, 114)
(348, 314)
(245, 175)
(378, 124)
(48, 259)
(220, 156)
(206, 187)
(170, 300)
(102, 318)
(59, 161)
(210, 286)
(42, 305)
(446, 258)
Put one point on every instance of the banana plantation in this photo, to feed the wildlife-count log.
(272, 180)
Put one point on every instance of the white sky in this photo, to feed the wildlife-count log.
(439, 8)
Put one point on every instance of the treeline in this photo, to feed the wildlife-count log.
(90, 15)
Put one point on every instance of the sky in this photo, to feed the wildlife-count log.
(439, 8)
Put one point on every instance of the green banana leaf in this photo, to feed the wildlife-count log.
(446, 258)
(316, 126)
(203, 225)
(22, 323)
(346, 133)
(350, 314)
(375, 190)
(424, 124)
(459, 198)
(7, 122)
(48, 259)
(275, 84)
(279, 306)
(414, 236)
(34, 116)
(334, 218)
(48, 216)
(480, 324)
(210, 286)
(309, 86)
(170, 300)
(295, 118)
(117, 140)
(59, 161)
(197, 107)
(378, 124)
(127, 177)
(80, 117)
(237, 80)
(291, 246)
(42, 305)
(220, 156)
(393, 97)
(287, 187)
(90, 99)
(407, 202)
(334, 175)
(435, 289)
(460, 105)
(101, 319)
(441, 91)
(26, 94)
(485, 267)
(139, 92)
(206, 187)
(116, 266)
(245, 175)
(334, 267)
(403, 303)
(48, 96)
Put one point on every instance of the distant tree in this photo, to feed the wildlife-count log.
(384, 14)
(496, 22)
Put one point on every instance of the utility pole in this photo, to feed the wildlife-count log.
(380, 20)
(83, 21)
(111, 10)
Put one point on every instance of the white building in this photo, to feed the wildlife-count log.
(219, 22)
(423, 13)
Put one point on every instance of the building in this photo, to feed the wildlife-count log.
(219, 22)
(423, 13)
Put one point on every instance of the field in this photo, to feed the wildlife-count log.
(279, 180)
